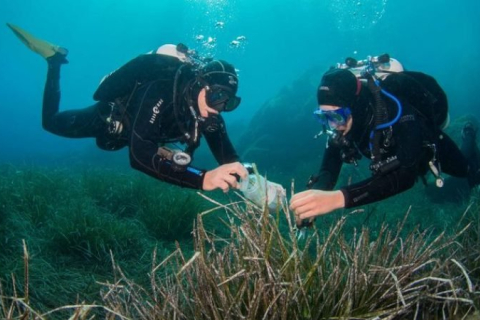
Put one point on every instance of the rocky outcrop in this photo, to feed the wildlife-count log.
(280, 135)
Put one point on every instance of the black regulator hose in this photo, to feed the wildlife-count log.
(380, 117)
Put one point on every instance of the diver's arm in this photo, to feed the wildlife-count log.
(145, 155)
(220, 144)
(313, 202)
(145, 158)
(378, 187)
(330, 169)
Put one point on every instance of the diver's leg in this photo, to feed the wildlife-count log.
(80, 123)
(451, 159)
(51, 94)
(74, 123)
(471, 153)
(460, 162)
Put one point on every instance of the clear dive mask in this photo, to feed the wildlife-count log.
(333, 118)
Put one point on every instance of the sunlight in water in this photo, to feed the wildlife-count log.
(355, 15)
(212, 31)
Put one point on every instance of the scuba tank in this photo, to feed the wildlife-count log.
(381, 66)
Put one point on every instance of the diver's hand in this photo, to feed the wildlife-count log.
(313, 203)
(224, 177)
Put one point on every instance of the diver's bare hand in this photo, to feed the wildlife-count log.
(313, 203)
(224, 177)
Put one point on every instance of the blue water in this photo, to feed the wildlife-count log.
(283, 39)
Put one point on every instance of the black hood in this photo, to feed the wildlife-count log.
(338, 87)
(220, 72)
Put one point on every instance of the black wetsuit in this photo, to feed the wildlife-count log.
(409, 143)
(150, 97)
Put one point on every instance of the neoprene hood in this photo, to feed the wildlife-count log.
(338, 87)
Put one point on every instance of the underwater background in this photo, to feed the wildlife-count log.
(73, 202)
(283, 39)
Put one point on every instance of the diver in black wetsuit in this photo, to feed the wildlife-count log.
(155, 99)
(383, 121)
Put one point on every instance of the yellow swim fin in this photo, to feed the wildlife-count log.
(42, 47)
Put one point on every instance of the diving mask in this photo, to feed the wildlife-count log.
(221, 98)
(333, 118)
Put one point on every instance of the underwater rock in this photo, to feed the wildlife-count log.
(280, 135)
